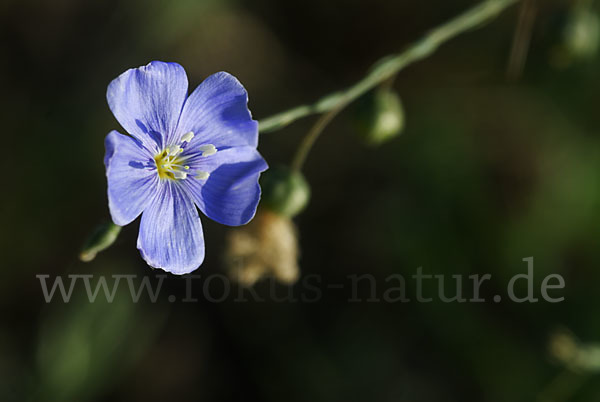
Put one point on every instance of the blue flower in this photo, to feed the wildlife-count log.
(183, 152)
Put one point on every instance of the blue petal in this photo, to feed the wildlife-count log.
(231, 193)
(170, 232)
(131, 175)
(147, 101)
(217, 113)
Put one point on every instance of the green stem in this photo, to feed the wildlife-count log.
(392, 64)
(521, 41)
(310, 138)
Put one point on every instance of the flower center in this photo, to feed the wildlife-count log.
(170, 164)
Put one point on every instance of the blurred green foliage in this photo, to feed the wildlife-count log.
(484, 175)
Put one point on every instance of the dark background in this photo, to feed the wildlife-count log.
(487, 172)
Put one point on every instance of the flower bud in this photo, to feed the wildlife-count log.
(284, 191)
(103, 237)
(379, 117)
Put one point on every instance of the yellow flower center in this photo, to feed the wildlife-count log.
(170, 162)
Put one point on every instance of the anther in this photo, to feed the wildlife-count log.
(179, 174)
(201, 175)
(187, 137)
(208, 150)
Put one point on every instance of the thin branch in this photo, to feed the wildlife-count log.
(392, 64)
(310, 138)
(521, 40)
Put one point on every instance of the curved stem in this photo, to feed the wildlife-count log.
(390, 65)
(310, 138)
(521, 41)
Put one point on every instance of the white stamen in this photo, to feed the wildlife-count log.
(208, 150)
(172, 163)
(187, 137)
(201, 175)
(175, 150)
